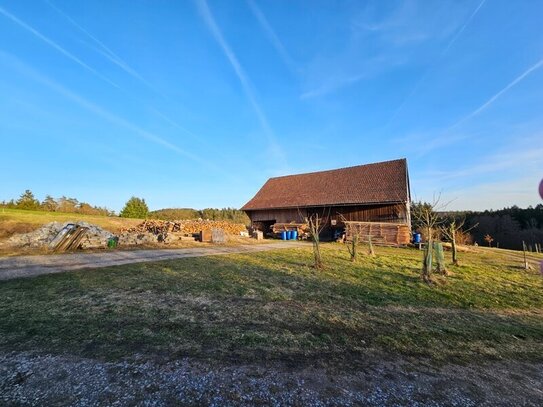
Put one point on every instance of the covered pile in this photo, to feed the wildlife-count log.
(95, 237)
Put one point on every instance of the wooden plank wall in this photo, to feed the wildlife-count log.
(395, 213)
(380, 232)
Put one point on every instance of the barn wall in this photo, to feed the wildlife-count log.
(396, 213)
(391, 223)
(278, 215)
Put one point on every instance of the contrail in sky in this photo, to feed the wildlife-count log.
(459, 33)
(272, 36)
(55, 46)
(107, 53)
(242, 76)
(445, 50)
(501, 92)
(98, 110)
(104, 50)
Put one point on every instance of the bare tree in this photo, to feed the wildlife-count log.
(489, 239)
(353, 247)
(316, 224)
(354, 230)
(426, 217)
(355, 235)
(451, 231)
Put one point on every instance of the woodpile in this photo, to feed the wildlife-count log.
(381, 232)
(281, 227)
(186, 227)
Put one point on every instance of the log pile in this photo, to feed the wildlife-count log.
(300, 227)
(162, 228)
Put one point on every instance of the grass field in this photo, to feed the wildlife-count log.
(275, 306)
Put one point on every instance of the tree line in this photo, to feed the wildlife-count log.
(28, 201)
(134, 208)
(506, 228)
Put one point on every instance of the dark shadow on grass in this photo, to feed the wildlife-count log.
(242, 308)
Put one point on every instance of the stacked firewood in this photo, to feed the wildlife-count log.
(188, 227)
(300, 227)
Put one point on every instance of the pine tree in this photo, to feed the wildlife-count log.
(135, 208)
(27, 201)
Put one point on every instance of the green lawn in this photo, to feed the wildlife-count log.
(274, 305)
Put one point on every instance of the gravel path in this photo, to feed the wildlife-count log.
(35, 380)
(29, 266)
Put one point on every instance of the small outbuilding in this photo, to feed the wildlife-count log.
(371, 199)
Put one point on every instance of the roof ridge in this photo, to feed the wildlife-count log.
(338, 169)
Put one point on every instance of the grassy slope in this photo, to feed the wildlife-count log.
(21, 221)
(274, 305)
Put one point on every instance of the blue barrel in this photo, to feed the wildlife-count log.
(283, 235)
(416, 238)
(294, 235)
(289, 235)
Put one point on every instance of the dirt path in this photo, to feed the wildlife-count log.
(29, 266)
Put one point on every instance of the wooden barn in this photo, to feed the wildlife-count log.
(372, 199)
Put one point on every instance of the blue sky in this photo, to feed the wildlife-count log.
(196, 104)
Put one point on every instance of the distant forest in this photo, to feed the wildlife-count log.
(509, 227)
(27, 201)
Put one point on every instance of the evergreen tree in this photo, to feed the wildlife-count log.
(27, 201)
(135, 208)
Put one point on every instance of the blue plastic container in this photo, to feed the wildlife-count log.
(416, 238)
(289, 235)
(294, 235)
(283, 235)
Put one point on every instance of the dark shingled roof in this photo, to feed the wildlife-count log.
(363, 184)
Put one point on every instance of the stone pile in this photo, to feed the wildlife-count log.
(94, 238)
(38, 238)
(134, 238)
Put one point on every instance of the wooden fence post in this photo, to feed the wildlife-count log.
(526, 265)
